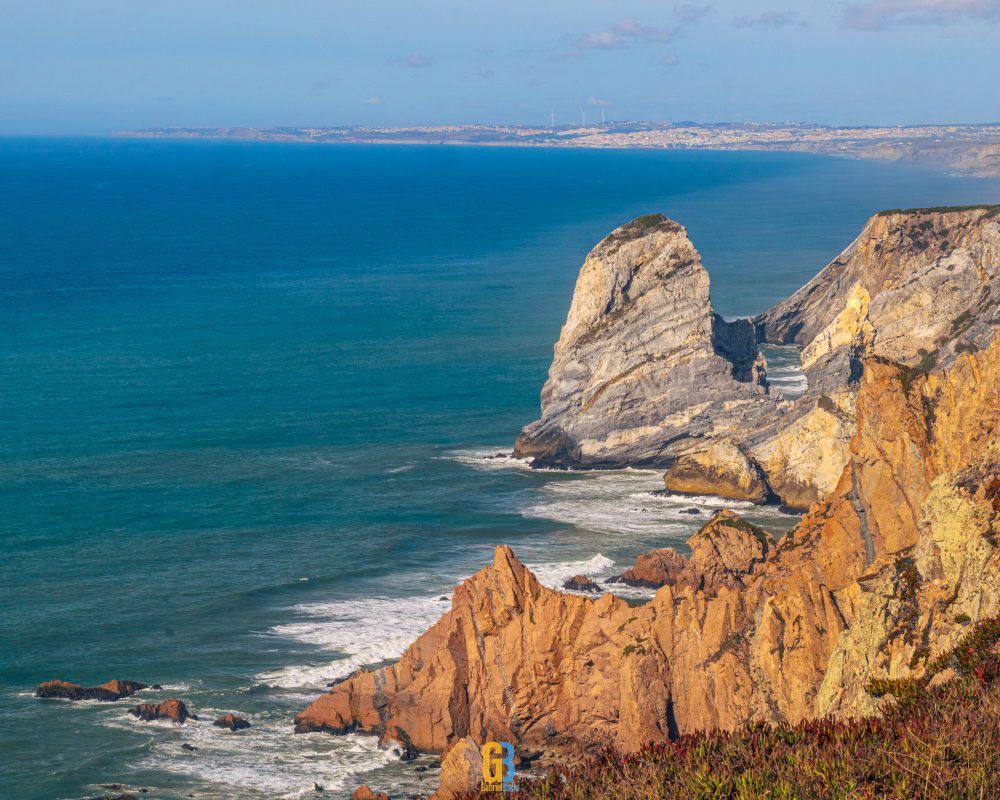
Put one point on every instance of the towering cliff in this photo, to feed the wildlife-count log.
(884, 572)
(642, 361)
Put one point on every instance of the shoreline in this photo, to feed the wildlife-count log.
(963, 150)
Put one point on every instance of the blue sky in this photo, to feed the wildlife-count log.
(94, 66)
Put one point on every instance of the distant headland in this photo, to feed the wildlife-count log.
(963, 149)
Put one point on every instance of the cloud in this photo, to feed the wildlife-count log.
(630, 28)
(771, 19)
(669, 61)
(412, 61)
(599, 102)
(687, 14)
(374, 100)
(881, 14)
(624, 33)
(323, 85)
(484, 73)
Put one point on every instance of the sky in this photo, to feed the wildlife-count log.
(96, 66)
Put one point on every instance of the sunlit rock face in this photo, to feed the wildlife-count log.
(643, 362)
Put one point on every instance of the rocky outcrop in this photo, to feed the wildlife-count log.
(365, 792)
(726, 551)
(889, 568)
(653, 569)
(720, 468)
(232, 722)
(107, 692)
(643, 362)
(645, 374)
(581, 583)
(461, 769)
(916, 288)
(173, 710)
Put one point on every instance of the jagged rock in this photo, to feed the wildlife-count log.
(915, 288)
(868, 585)
(173, 710)
(461, 770)
(581, 583)
(365, 792)
(107, 692)
(642, 361)
(233, 722)
(719, 468)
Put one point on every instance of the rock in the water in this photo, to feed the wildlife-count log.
(106, 692)
(642, 361)
(655, 569)
(581, 583)
(233, 722)
(189, 747)
(365, 792)
(173, 710)
(721, 468)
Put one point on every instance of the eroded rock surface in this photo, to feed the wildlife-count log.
(642, 361)
(173, 710)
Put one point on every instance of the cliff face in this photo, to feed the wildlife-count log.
(884, 572)
(915, 287)
(642, 361)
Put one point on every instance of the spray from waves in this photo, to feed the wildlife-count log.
(493, 459)
(265, 761)
(556, 573)
(619, 504)
(357, 632)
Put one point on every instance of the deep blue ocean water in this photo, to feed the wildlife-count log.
(246, 391)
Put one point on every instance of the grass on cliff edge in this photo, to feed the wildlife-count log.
(940, 743)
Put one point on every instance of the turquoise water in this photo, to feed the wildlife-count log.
(246, 392)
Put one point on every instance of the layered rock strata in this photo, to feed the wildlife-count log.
(643, 362)
(889, 568)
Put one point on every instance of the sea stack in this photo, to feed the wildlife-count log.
(643, 362)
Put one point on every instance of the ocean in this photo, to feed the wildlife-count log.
(247, 392)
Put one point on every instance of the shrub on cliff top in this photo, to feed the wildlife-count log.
(941, 743)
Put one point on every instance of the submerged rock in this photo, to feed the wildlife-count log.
(173, 710)
(107, 692)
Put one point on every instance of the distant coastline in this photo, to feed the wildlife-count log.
(972, 150)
